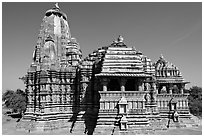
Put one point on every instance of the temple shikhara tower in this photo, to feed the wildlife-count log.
(52, 79)
(114, 81)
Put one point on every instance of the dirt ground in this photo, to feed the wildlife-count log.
(183, 131)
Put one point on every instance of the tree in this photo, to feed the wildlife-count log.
(195, 100)
(16, 101)
(7, 96)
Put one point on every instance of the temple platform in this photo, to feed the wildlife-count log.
(77, 127)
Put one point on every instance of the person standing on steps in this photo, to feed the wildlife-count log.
(171, 115)
(175, 116)
(116, 123)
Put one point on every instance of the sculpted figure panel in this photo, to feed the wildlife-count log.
(147, 86)
(68, 87)
(50, 51)
(147, 97)
(163, 90)
(63, 87)
(47, 87)
(29, 89)
(84, 86)
(142, 86)
(154, 86)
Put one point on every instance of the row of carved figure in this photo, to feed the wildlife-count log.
(54, 98)
(50, 87)
(147, 87)
(54, 80)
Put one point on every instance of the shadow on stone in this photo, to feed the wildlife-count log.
(91, 107)
(73, 119)
(90, 120)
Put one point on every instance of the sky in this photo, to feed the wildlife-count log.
(171, 29)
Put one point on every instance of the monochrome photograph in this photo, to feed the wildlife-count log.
(101, 68)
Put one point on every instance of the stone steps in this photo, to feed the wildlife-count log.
(166, 115)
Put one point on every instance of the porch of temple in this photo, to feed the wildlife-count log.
(120, 73)
(170, 86)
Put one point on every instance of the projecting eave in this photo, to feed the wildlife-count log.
(123, 75)
(172, 81)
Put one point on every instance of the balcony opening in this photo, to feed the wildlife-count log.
(130, 85)
(114, 85)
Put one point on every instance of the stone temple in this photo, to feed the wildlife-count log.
(65, 90)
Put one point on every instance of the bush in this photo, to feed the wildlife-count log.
(15, 100)
(195, 101)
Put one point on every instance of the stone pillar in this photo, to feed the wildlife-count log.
(184, 104)
(104, 87)
(157, 88)
(136, 84)
(105, 83)
(122, 84)
(182, 88)
(143, 104)
(170, 88)
(140, 86)
(187, 103)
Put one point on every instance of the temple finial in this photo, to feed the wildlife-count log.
(56, 5)
(161, 57)
(120, 38)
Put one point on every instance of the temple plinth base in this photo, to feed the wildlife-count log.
(45, 123)
(42, 126)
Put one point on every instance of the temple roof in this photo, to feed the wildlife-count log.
(162, 63)
(166, 72)
(119, 60)
(124, 61)
(64, 50)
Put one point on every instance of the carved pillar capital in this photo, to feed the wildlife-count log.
(182, 88)
(154, 87)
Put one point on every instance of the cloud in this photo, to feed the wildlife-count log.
(193, 29)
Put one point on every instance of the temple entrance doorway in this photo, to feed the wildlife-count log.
(114, 85)
(130, 85)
